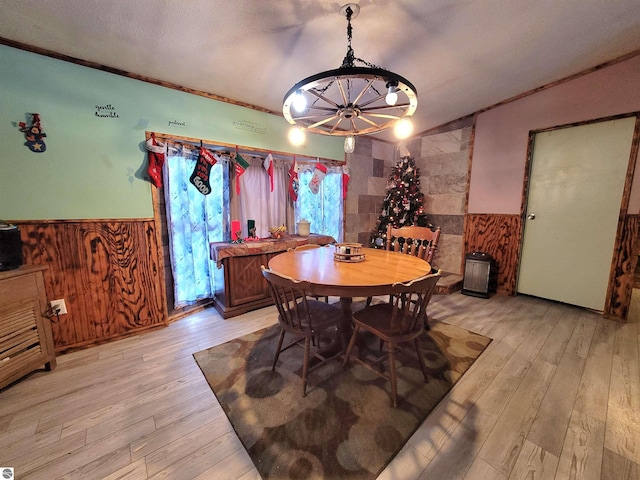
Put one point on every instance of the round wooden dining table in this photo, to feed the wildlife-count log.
(329, 277)
(373, 276)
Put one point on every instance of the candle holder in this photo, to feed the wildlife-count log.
(236, 232)
(238, 236)
(251, 228)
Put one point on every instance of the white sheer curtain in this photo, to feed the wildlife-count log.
(324, 210)
(193, 221)
(257, 202)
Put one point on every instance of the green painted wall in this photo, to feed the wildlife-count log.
(93, 166)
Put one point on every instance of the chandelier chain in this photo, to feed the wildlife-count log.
(350, 58)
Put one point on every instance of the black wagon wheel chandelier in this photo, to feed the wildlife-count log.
(350, 100)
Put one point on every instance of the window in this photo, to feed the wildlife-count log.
(323, 210)
(195, 220)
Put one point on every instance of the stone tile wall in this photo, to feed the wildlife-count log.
(443, 157)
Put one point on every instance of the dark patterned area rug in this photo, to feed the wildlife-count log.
(345, 428)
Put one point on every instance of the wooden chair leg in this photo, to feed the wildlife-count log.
(392, 373)
(352, 342)
(423, 366)
(280, 340)
(305, 365)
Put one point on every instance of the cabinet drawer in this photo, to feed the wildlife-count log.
(18, 289)
(20, 347)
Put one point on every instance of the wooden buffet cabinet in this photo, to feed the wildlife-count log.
(26, 342)
(240, 286)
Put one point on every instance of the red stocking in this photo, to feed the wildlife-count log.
(294, 184)
(156, 160)
(346, 176)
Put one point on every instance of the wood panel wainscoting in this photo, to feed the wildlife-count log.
(498, 235)
(107, 271)
(622, 271)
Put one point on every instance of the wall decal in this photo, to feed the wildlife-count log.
(250, 126)
(34, 134)
(106, 111)
(177, 123)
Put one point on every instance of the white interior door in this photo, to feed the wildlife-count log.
(575, 193)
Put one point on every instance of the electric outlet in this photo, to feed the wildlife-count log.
(59, 305)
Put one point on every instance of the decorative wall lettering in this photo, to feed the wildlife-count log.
(106, 111)
(177, 123)
(250, 126)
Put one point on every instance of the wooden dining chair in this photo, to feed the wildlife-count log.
(396, 323)
(310, 322)
(413, 240)
(419, 241)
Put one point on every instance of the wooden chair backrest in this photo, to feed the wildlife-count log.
(423, 244)
(410, 301)
(290, 297)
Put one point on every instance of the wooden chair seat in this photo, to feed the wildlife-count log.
(322, 313)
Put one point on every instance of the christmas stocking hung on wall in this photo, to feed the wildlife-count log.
(346, 176)
(200, 176)
(156, 152)
(268, 166)
(294, 183)
(319, 173)
(241, 166)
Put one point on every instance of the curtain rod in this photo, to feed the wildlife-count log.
(228, 148)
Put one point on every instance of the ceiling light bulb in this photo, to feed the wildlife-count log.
(403, 128)
(349, 144)
(299, 101)
(297, 136)
(392, 95)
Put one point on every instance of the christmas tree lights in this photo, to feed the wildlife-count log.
(404, 202)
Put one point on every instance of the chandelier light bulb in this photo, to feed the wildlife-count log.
(403, 128)
(299, 102)
(297, 136)
(349, 144)
(392, 95)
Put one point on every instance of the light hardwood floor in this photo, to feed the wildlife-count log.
(556, 395)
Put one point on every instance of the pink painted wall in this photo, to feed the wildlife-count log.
(501, 136)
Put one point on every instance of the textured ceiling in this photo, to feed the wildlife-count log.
(462, 55)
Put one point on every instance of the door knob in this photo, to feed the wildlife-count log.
(531, 216)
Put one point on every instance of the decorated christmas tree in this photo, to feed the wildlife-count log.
(404, 203)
